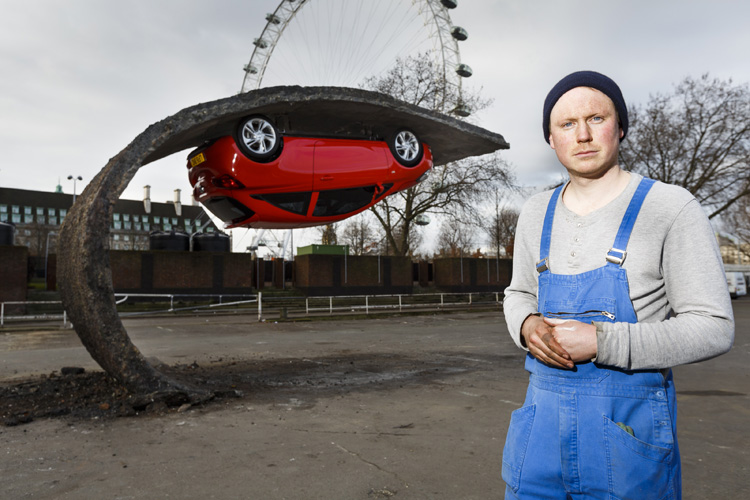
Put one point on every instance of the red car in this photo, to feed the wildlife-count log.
(262, 178)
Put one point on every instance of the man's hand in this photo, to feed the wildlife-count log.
(542, 344)
(576, 338)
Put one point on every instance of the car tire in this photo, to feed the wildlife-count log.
(406, 147)
(258, 138)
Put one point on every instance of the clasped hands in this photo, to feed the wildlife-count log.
(559, 343)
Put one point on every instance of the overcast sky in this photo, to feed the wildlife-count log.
(82, 78)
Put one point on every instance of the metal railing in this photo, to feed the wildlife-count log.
(279, 307)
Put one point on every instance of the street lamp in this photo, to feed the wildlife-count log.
(74, 179)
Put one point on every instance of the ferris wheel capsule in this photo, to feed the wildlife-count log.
(464, 70)
(459, 33)
(449, 4)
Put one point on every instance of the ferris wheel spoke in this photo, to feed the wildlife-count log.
(342, 42)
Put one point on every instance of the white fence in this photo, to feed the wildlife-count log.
(269, 307)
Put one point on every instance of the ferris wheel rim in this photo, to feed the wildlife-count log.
(452, 69)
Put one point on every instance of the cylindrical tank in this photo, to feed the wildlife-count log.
(7, 233)
(169, 240)
(211, 242)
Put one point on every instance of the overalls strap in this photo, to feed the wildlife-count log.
(543, 263)
(617, 253)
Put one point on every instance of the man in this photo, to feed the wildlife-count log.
(616, 279)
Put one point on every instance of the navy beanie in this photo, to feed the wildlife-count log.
(591, 79)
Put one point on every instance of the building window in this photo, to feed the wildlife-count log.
(16, 209)
(63, 212)
(53, 220)
(126, 217)
(3, 209)
(157, 220)
(146, 226)
(138, 226)
(27, 210)
(136, 218)
(174, 221)
(116, 216)
(40, 211)
(118, 225)
(28, 218)
(16, 218)
(167, 226)
(128, 226)
(51, 211)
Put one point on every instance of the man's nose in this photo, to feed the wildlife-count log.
(584, 133)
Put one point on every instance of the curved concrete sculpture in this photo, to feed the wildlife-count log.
(84, 273)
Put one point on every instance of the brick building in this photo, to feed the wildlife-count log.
(38, 215)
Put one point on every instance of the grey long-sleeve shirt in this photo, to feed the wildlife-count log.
(675, 274)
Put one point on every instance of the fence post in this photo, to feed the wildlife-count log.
(260, 305)
(469, 298)
(367, 304)
(399, 303)
(307, 306)
(2, 314)
(330, 305)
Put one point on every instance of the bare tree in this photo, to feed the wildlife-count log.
(456, 238)
(698, 137)
(359, 234)
(455, 189)
(501, 229)
(328, 234)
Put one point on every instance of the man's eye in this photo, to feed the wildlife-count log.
(567, 124)
(597, 119)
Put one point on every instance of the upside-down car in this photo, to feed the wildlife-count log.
(263, 178)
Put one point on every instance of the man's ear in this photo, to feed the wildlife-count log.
(552, 141)
(622, 133)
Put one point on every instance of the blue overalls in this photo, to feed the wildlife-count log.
(593, 431)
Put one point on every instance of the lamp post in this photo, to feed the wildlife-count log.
(74, 179)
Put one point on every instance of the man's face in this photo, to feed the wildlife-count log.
(585, 132)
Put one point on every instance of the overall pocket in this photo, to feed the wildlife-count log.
(637, 470)
(587, 311)
(516, 444)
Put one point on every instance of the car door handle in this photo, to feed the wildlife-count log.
(326, 178)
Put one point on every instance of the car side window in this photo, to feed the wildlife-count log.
(342, 201)
(296, 203)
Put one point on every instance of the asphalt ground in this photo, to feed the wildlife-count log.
(410, 407)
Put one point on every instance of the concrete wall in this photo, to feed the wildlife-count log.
(455, 274)
(352, 275)
(14, 261)
(181, 272)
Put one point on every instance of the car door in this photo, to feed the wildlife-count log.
(348, 163)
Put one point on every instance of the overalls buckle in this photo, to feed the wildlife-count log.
(615, 259)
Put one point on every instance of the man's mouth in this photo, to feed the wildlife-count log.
(583, 154)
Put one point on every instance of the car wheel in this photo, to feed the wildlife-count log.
(258, 139)
(406, 147)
